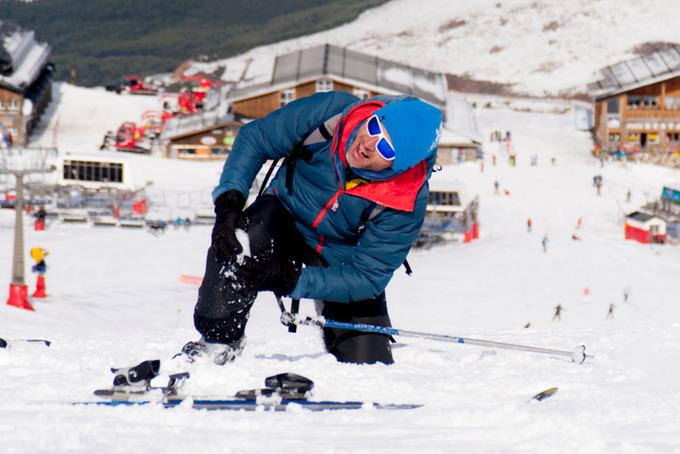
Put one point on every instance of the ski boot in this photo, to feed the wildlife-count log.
(220, 354)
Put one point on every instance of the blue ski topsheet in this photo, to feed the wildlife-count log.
(253, 405)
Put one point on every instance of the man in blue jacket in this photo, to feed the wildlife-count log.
(335, 223)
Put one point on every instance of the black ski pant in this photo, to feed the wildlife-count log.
(224, 301)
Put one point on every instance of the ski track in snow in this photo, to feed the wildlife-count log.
(115, 299)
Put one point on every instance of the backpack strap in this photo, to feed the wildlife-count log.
(323, 132)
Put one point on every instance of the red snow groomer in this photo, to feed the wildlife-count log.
(200, 92)
(128, 138)
(132, 85)
(186, 101)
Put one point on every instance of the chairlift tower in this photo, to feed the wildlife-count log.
(18, 290)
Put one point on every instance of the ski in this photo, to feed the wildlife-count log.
(544, 395)
(132, 387)
(6, 343)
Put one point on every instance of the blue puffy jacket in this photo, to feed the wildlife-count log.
(329, 217)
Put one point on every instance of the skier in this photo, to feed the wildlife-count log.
(558, 313)
(534, 160)
(626, 294)
(38, 254)
(610, 313)
(529, 224)
(347, 203)
(496, 187)
(628, 196)
(544, 243)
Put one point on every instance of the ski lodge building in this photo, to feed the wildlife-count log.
(327, 68)
(25, 83)
(644, 228)
(637, 104)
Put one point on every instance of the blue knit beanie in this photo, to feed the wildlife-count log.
(413, 126)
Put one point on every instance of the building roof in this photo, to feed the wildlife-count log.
(637, 72)
(640, 216)
(183, 126)
(452, 138)
(353, 67)
(22, 57)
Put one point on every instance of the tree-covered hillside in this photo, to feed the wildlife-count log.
(104, 39)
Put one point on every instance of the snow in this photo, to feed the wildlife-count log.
(539, 46)
(115, 299)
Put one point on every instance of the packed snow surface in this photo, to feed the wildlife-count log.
(115, 299)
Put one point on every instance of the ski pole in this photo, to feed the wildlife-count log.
(577, 355)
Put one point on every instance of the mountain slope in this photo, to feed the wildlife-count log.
(539, 46)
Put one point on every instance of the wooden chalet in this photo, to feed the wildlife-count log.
(327, 68)
(637, 104)
(25, 83)
(455, 147)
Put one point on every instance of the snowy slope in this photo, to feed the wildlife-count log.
(115, 299)
(539, 46)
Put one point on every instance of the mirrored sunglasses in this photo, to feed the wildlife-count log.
(383, 145)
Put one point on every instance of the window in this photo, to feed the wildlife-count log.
(653, 137)
(614, 137)
(613, 106)
(444, 198)
(323, 85)
(361, 93)
(93, 171)
(673, 136)
(13, 104)
(287, 96)
(672, 102)
(637, 102)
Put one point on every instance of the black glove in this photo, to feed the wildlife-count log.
(228, 209)
(262, 273)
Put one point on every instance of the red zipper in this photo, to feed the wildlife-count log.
(323, 212)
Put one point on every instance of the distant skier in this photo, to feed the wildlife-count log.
(558, 313)
(579, 223)
(332, 226)
(628, 196)
(496, 187)
(529, 224)
(610, 313)
(597, 182)
(527, 325)
(626, 294)
(544, 243)
(493, 159)
(38, 254)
